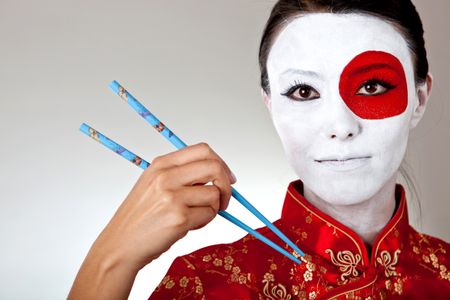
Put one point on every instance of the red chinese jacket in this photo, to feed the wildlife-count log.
(402, 264)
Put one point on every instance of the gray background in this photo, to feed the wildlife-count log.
(194, 64)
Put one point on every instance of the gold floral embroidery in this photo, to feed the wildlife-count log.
(295, 289)
(274, 291)
(346, 261)
(388, 262)
(198, 285)
(308, 219)
(207, 258)
(228, 260)
(395, 286)
(444, 273)
(433, 258)
(184, 281)
(312, 295)
(228, 263)
(217, 262)
(169, 284)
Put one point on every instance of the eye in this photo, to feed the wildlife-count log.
(374, 87)
(301, 92)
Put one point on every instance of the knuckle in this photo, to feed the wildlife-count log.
(204, 148)
(215, 197)
(160, 177)
(214, 192)
(215, 166)
(168, 197)
(156, 161)
(177, 218)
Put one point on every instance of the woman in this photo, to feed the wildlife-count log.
(344, 82)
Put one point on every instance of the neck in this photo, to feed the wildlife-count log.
(367, 218)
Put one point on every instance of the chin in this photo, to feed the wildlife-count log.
(345, 195)
(344, 189)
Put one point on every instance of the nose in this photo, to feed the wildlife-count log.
(342, 124)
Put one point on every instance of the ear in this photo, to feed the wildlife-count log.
(423, 94)
(267, 101)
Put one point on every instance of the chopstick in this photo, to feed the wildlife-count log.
(178, 143)
(140, 162)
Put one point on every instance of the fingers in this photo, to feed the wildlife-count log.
(202, 195)
(209, 170)
(200, 216)
(200, 151)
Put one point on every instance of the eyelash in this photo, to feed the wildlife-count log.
(377, 80)
(293, 87)
(373, 80)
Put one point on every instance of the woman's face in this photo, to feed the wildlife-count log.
(342, 101)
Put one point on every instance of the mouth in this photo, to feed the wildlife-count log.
(342, 159)
(344, 163)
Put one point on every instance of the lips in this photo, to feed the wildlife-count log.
(341, 159)
(343, 164)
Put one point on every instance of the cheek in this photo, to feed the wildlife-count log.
(380, 66)
(296, 127)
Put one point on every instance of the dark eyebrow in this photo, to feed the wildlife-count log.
(371, 67)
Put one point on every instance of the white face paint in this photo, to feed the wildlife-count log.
(341, 157)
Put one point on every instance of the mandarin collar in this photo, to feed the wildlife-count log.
(316, 233)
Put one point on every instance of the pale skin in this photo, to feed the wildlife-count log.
(173, 196)
(362, 196)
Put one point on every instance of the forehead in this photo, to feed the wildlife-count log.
(326, 42)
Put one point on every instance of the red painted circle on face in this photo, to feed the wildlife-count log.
(368, 69)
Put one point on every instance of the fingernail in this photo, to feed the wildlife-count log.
(233, 177)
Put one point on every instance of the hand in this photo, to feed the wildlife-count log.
(170, 198)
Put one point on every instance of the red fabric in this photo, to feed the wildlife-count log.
(403, 264)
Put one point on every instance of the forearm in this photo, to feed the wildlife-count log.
(103, 277)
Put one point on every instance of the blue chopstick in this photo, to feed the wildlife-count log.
(140, 162)
(178, 143)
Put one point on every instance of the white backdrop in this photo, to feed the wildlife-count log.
(194, 64)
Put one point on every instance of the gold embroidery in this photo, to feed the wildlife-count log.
(226, 261)
(395, 287)
(189, 264)
(388, 263)
(206, 258)
(217, 262)
(444, 273)
(308, 219)
(198, 285)
(334, 227)
(312, 295)
(169, 284)
(184, 281)
(274, 291)
(295, 289)
(434, 260)
(307, 275)
(273, 267)
(346, 261)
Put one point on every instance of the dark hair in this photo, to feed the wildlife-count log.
(400, 13)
